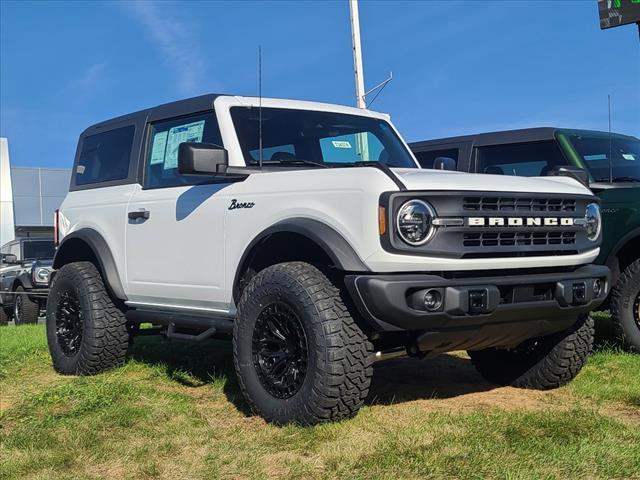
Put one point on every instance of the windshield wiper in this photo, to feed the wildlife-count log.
(618, 179)
(299, 161)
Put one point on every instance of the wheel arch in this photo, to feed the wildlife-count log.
(87, 244)
(622, 254)
(324, 241)
(23, 280)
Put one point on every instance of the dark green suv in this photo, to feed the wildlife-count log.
(612, 164)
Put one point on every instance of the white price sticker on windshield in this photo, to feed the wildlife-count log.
(341, 144)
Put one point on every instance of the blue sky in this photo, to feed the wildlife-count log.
(459, 67)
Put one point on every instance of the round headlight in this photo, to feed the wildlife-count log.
(414, 222)
(42, 275)
(594, 221)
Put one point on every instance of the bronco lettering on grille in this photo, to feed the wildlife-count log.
(521, 221)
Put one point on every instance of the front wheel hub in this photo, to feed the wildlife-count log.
(279, 350)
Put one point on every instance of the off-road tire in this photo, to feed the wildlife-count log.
(339, 368)
(543, 363)
(103, 331)
(625, 307)
(4, 316)
(29, 310)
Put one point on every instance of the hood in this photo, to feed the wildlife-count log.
(39, 263)
(425, 179)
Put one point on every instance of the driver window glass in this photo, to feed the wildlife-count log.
(520, 159)
(426, 159)
(161, 169)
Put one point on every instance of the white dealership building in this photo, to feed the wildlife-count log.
(28, 197)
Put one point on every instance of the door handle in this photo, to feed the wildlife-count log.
(142, 213)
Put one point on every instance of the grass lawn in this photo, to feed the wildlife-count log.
(174, 411)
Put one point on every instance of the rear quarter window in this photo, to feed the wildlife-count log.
(105, 156)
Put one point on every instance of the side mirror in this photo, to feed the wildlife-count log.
(9, 259)
(578, 173)
(201, 159)
(444, 163)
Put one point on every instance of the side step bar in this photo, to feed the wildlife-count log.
(208, 326)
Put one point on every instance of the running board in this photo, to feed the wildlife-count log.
(173, 320)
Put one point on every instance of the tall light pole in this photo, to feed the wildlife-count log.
(357, 54)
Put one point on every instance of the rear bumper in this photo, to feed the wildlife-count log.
(515, 307)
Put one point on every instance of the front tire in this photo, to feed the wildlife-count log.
(540, 363)
(24, 310)
(299, 355)
(625, 307)
(86, 330)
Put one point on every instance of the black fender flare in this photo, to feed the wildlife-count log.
(101, 252)
(329, 240)
(24, 279)
(613, 254)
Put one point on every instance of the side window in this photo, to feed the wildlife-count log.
(161, 169)
(363, 147)
(521, 159)
(105, 156)
(426, 159)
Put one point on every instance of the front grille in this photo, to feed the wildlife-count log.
(487, 231)
(507, 239)
(517, 204)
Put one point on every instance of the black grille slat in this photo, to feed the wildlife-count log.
(511, 204)
(505, 239)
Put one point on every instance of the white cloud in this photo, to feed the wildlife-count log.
(175, 42)
(93, 77)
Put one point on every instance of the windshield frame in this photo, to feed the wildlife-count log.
(564, 138)
(270, 104)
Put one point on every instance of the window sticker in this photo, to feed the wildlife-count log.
(158, 148)
(190, 132)
(341, 144)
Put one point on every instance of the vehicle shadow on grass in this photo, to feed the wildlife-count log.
(408, 379)
(394, 381)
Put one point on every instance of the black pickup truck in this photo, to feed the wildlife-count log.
(25, 268)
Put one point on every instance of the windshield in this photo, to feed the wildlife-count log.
(38, 250)
(309, 137)
(594, 151)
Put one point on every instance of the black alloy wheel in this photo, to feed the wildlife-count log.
(279, 349)
(18, 308)
(69, 323)
(636, 310)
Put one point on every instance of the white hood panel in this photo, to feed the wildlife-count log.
(425, 179)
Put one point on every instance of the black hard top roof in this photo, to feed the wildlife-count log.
(508, 136)
(166, 110)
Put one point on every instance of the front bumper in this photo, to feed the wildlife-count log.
(507, 309)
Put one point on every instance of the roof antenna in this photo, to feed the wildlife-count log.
(260, 105)
(610, 144)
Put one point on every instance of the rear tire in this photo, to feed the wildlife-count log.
(540, 363)
(24, 310)
(4, 316)
(625, 307)
(298, 354)
(86, 331)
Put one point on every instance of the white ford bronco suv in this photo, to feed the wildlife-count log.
(308, 233)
